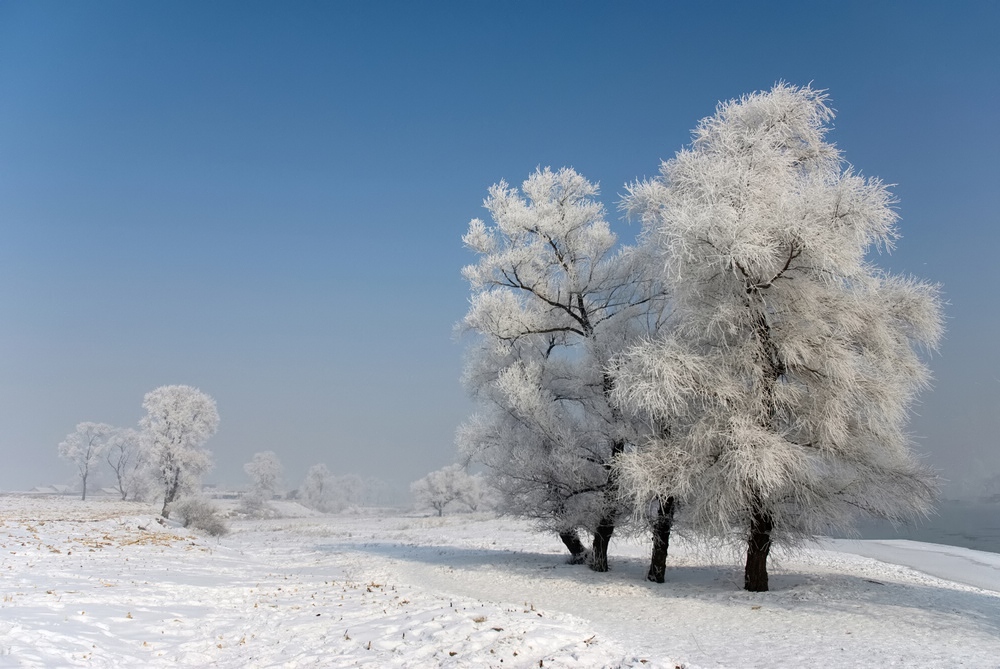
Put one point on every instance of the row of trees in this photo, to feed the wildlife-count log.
(165, 455)
(323, 491)
(744, 363)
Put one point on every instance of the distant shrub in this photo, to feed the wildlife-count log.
(254, 505)
(201, 514)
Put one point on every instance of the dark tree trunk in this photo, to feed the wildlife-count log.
(602, 537)
(662, 524)
(578, 552)
(171, 494)
(83, 498)
(761, 523)
(606, 525)
(758, 547)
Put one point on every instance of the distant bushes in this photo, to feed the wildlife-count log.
(201, 514)
(254, 504)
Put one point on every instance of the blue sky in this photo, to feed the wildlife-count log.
(266, 200)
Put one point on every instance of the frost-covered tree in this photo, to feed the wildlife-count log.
(264, 470)
(127, 455)
(328, 493)
(317, 488)
(788, 374)
(178, 421)
(84, 447)
(442, 487)
(553, 299)
(475, 494)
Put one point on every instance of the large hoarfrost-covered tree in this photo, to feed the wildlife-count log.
(84, 448)
(553, 299)
(179, 421)
(792, 361)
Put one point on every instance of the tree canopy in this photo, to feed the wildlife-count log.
(791, 361)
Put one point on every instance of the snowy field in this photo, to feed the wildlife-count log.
(102, 584)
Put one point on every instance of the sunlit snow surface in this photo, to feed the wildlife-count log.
(102, 584)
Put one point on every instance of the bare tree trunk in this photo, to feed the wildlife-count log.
(578, 552)
(758, 547)
(662, 525)
(83, 498)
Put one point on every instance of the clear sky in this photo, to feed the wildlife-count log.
(266, 200)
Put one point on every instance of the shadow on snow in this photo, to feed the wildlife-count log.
(689, 578)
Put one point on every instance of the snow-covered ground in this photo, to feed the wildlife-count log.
(102, 584)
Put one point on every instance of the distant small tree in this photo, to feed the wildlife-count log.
(327, 493)
(444, 486)
(475, 494)
(316, 488)
(84, 448)
(179, 420)
(264, 471)
(128, 458)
